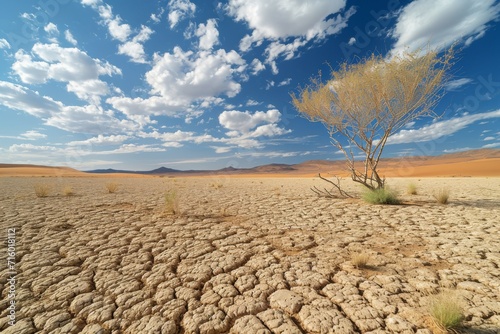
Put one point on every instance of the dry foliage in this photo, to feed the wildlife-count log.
(41, 189)
(68, 191)
(367, 102)
(171, 202)
(446, 312)
(411, 189)
(112, 187)
(360, 260)
(216, 185)
(442, 196)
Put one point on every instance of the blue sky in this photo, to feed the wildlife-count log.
(206, 84)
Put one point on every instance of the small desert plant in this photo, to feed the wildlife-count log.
(112, 187)
(380, 196)
(360, 260)
(68, 191)
(446, 311)
(411, 189)
(216, 185)
(442, 196)
(42, 189)
(171, 202)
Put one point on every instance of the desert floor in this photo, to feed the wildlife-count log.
(246, 255)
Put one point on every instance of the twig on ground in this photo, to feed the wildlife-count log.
(330, 193)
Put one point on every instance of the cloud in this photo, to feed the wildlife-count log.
(70, 65)
(257, 66)
(28, 135)
(51, 29)
(285, 82)
(352, 40)
(208, 34)
(437, 24)
(4, 44)
(243, 122)
(100, 140)
(69, 37)
(252, 103)
(121, 31)
(180, 80)
(489, 138)
(187, 76)
(134, 48)
(279, 20)
(33, 135)
(439, 129)
(492, 145)
(179, 10)
(455, 84)
(82, 119)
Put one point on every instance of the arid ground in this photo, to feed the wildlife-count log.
(246, 255)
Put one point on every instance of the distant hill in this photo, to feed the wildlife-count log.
(315, 166)
(483, 162)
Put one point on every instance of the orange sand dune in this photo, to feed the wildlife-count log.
(47, 171)
(472, 163)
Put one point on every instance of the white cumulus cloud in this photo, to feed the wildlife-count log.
(70, 65)
(69, 37)
(439, 129)
(208, 34)
(437, 24)
(280, 20)
(179, 10)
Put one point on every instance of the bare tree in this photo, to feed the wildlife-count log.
(369, 101)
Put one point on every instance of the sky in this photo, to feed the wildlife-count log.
(206, 84)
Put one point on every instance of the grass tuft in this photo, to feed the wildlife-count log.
(380, 196)
(442, 196)
(68, 191)
(216, 185)
(411, 189)
(42, 190)
(446, 311)
(171, 202)
(112, 187)
(360, 260)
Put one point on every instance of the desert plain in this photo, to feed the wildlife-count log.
(252, 254)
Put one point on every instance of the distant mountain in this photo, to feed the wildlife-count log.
(314, 166)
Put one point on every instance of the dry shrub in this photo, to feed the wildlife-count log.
(42, 189)
(68, 191)
(360, 260)
(442, 196)
(216, 185)
(446, 312)
(380, 196)
(112, 187)
(411, 189)
(171, 202)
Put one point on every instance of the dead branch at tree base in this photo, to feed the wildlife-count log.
(330, 193)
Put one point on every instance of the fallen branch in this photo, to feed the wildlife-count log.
(329, 193)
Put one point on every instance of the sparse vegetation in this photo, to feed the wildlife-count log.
(42, 189)
(442, 196)
(68, 191)
(171, 202)
(380, 196)
(360, 260)
(446, 312)
(367, 102)
(112, 187)
(411, 189)
(216, 185)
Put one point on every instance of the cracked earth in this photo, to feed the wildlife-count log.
(249, 255)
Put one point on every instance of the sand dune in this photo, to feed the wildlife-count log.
(470, 163)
